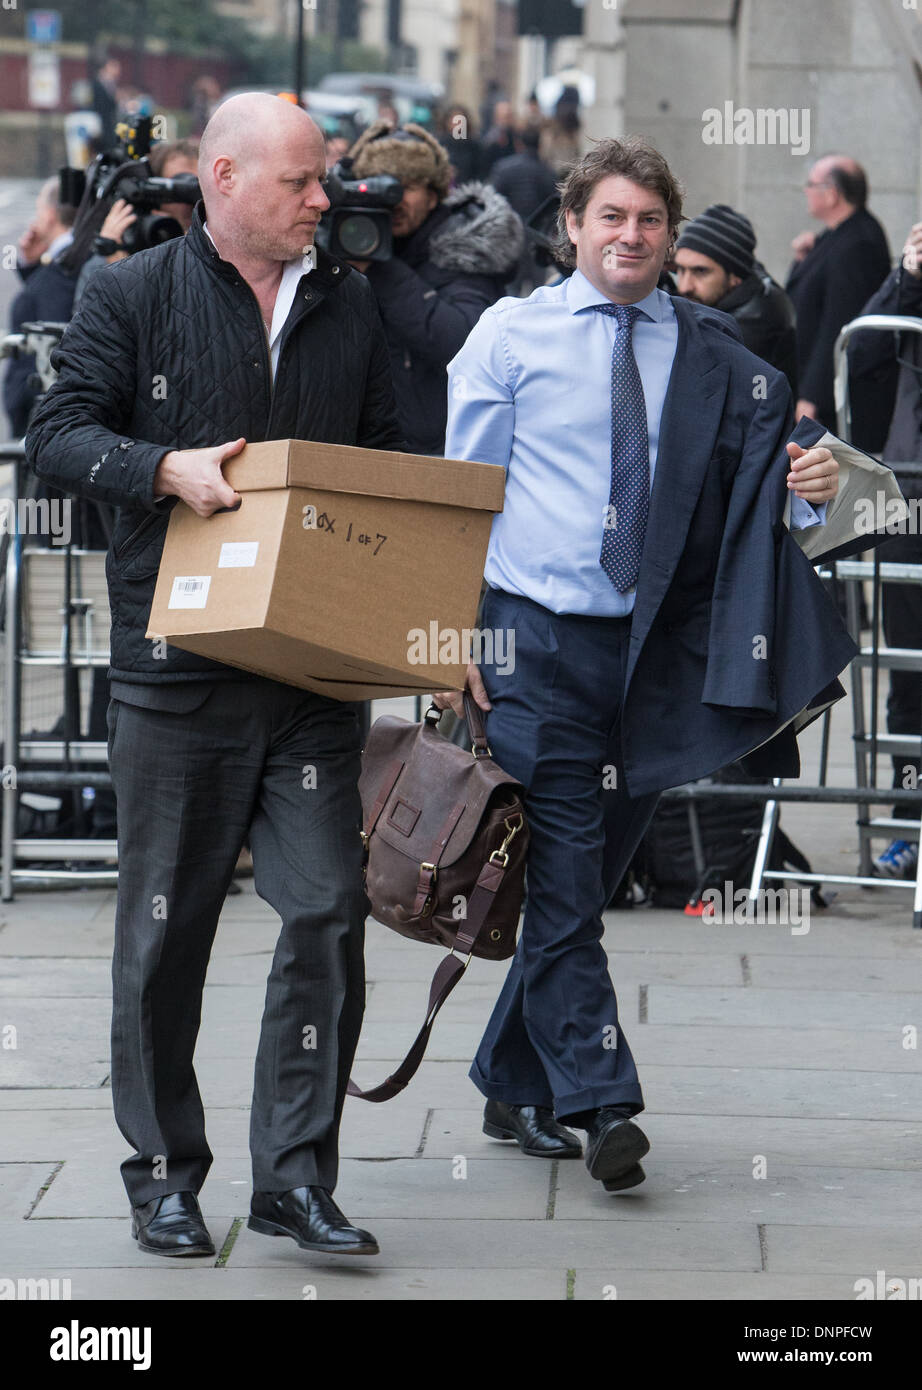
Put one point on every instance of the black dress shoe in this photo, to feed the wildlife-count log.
(614, 1148)
(533, 1127)
(171, 1225)
(312, 1219)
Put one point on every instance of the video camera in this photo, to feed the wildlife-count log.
(124, 172)
(357, 225)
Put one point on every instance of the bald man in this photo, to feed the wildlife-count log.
(240, 331)
(834, 275)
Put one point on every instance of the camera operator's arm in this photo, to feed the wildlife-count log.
(78, 439)
(431, 323)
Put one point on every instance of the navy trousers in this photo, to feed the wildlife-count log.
(554, 1038)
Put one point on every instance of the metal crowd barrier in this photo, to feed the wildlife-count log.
(867, 741)
(56, 636)
(85, 761)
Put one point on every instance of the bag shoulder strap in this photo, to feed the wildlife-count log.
(447, 975)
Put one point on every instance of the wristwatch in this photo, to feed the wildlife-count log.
(106, 246)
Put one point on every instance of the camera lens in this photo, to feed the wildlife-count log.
(359, 236)
(149, 229)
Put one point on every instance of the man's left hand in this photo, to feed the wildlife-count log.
(814, 474)
(360, 265)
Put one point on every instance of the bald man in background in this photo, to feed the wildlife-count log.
(255, 334)
(832, 276)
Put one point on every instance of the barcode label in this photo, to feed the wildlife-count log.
(190, 591)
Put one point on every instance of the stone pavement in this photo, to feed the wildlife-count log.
(759, 1050)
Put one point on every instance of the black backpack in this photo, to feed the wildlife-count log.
(664, 866)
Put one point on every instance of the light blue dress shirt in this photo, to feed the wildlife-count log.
(530, 390)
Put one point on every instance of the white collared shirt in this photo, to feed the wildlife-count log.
(291, 275)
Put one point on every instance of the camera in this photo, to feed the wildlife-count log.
(123, 172)
(357, 225)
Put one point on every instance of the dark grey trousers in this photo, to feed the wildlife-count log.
(261, 761)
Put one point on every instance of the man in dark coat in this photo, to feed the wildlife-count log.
(874, 358)
(47, 294)
(525, 180)
(716, 265)
(828, 287)
(239, 331)
(453, 254)
(658, 633)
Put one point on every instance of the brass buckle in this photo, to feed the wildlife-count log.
(500, 856)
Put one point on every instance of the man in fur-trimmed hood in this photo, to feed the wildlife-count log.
(454, 251)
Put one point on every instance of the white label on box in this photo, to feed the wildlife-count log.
(238, 555)
(190, 591)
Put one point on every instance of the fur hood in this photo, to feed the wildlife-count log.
(482, 236)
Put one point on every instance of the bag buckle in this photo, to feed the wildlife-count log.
(501, 856)
(427, 905)
(467, 958)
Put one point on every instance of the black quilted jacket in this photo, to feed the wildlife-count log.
(168, 351)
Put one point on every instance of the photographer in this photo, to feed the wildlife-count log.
(453, 254)
(168, 159)
(255, 334)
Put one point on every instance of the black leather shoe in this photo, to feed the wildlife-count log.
(533, 1127)
(614, 1148)
(312, 1219)
(171, 1225)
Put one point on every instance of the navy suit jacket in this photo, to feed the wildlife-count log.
(733, 634)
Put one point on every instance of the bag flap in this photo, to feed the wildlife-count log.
(438, 791)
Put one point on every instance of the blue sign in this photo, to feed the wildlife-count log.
(43, 26)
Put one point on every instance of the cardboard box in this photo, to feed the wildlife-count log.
(350, 572)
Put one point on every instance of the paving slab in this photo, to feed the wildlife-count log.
(844, 1143)
(877, 973)
(367, 1189)
(169, 1281)
(54, 1099)
(592, 1285)
(20, 1183)
(462, 1243)
(855, 1252)
(841, 931)
(729, 1191)
(830, 1048)
(802, 1009)
(60, 977)
(63, 1044)
(784, 1091)
(36, 1246)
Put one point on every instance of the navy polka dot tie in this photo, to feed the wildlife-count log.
(625, 522)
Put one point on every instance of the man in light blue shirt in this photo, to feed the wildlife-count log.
(645, 486)
(530, 391)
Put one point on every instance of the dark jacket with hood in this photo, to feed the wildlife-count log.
(765, 317)
(182, 316)
(431, 293)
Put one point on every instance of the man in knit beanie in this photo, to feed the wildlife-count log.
(716, 265)
(453, 253)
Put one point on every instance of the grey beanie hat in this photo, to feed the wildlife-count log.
(724, 235)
